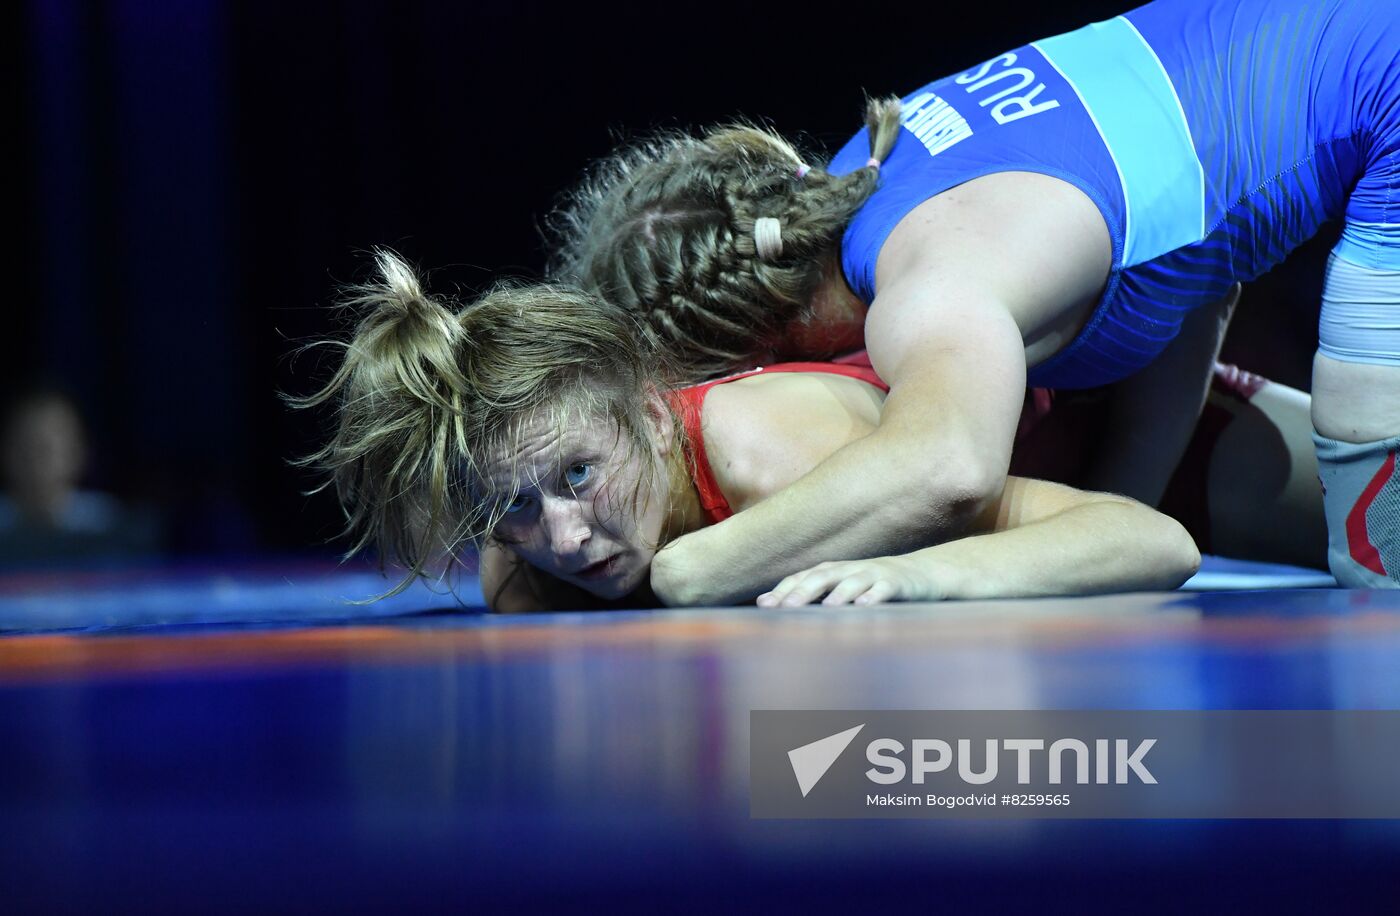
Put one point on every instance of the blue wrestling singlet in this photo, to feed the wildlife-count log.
(1215, 136)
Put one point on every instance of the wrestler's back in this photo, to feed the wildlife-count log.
(1211, 137)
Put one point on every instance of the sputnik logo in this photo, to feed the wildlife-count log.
(811, 761)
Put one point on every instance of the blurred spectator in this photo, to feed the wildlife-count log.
(46, 519)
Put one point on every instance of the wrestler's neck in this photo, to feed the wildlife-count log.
(685, 514)
(834, 323)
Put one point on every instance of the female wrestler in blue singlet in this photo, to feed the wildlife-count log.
(1067, 212)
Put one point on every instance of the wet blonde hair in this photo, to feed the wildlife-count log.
(428, 389)
(665, 229)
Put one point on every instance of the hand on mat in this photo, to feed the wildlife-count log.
(862, 582)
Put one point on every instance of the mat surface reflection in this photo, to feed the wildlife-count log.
(450, 760)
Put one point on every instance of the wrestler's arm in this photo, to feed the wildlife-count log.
(510, 586)
(944, 333)
(1153, 414)
(1036, 539)
(925, 473)
(1040, 539)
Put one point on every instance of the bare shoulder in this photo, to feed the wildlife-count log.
(764, 432)
(1035, 244)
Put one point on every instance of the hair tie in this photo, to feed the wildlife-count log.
(768, 238)
(873, 163)
(802, 170)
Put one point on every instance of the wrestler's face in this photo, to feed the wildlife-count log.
(591, 503)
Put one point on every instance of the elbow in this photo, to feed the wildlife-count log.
(1180, 558)
(971, 480)
(956, 495)
(935, 480)
(975, 492)
(1190, 559)
(669, 583)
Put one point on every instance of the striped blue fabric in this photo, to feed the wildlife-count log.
(1144, 129)
(1214, 136)
(1374, 245)
(1151, 299)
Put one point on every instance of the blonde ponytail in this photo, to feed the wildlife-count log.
(399, 394)
(882, 122)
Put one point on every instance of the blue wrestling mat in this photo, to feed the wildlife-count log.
(309, 592)
(268, 592)
(426, 761)
(1222, 573)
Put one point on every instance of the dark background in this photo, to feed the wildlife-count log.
(194, 179)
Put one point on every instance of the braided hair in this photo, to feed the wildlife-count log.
(666, 229)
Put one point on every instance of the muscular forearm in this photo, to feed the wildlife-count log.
(937, 459)
(1109, 546)
(1048, 540)
(899, 488)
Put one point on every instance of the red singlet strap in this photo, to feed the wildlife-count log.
(689, 403)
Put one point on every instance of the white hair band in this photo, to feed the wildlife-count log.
(768, 238)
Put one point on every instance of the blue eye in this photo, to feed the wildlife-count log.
(517, 505)
(577, 474)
